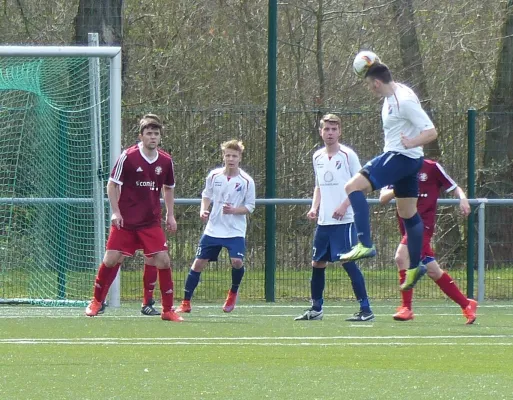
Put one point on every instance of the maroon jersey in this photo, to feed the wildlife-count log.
(432, 178)
(141, 181)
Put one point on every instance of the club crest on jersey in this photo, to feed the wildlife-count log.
(158, 170)
(338, 165)
(423, 177)
(328, 176)
(238, 187)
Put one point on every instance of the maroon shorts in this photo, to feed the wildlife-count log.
(150, 240)
(427, 251)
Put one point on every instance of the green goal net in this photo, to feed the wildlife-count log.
(55, 124)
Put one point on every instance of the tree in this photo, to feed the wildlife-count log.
(103, 17)
(413, 67)
(496, 177)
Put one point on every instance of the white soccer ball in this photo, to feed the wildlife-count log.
(363, 61)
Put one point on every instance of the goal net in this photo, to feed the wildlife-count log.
(58, 123)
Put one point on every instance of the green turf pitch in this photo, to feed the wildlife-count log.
(256, 352)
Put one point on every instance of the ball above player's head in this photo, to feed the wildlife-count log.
(379, 72)
(363, 61)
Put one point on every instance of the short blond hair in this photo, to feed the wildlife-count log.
(334, 119)
(233, 145)
(150, 120)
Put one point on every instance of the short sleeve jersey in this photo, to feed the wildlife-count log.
(432, 179)
(236, 190)
(402, 114)
(141, 181)
(331, 175)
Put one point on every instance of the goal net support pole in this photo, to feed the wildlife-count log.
(93, 53)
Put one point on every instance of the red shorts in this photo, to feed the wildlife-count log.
(427, 251)
(151, 240)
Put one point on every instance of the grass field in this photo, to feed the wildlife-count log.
(256, 352)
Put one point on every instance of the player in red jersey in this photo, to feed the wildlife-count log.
(432, 178)
(150, 274)
(141, 173)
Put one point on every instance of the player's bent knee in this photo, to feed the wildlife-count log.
(112, 258)
(406, 207)
(199, 265)
(162, 260)
(401, 262)
(434, 271)
(358, 183)
(237, 263)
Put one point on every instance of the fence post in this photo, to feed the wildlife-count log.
(481, 252)
(471, 191)
(270, 164)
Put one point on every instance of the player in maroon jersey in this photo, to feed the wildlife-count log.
(432, 178)
(150, 274)
(142, 173)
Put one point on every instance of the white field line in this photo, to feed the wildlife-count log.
(228, 342)
(255, 338)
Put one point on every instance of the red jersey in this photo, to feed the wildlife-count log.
(432, 178)
(142, 180)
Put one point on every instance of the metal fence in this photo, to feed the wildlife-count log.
(193, 138)
(484, 241)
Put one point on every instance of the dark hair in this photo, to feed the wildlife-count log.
(379, 72)
(150, 121)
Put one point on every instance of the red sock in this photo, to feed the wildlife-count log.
(104, 279)
(166, 288)
(149, 282)
(449, 287)
(406, 295)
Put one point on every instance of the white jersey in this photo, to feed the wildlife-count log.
(331, 175)
(403, 114)
(236, 190)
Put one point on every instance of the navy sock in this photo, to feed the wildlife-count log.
(317, 287)
(361, 217)
(415, 232)
(237, 274)
(191, 283)
(358, 283)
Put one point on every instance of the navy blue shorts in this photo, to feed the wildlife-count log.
(209, 247)
(330, 241)
(393, 168)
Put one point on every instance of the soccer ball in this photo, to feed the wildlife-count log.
(363, 61)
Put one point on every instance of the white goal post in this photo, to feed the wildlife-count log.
(93, 53)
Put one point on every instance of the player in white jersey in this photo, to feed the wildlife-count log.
(231, 192)
(407, 128)
(334, 165)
